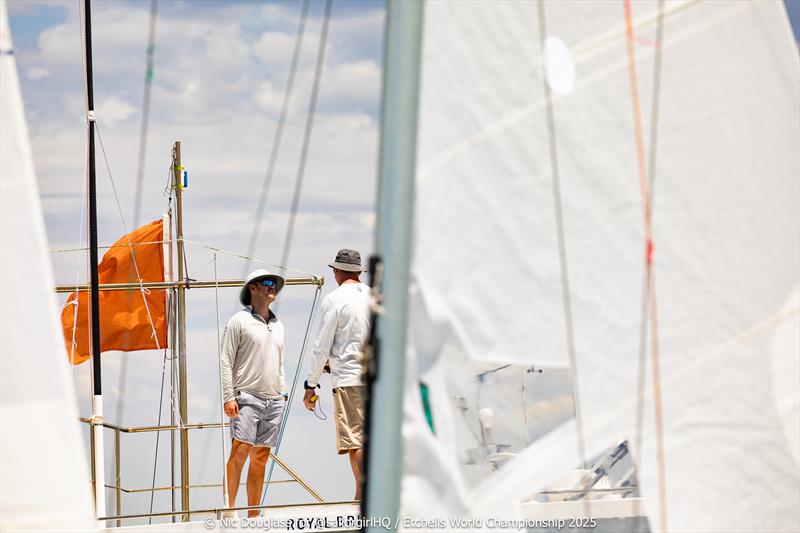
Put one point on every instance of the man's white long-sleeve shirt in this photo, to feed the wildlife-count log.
(252, 356)
(343, 333)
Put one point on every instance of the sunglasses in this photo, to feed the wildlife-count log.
(269, 283)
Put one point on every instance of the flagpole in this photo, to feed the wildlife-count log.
(178, 182)
(97, 393)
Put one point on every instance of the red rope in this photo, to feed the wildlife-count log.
(649, 249)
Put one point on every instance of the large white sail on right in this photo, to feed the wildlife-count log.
(498, 280)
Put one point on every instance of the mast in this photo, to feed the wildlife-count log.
(177, 170)
(97, 392)
(393, 235)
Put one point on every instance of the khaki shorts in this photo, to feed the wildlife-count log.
(348, 412)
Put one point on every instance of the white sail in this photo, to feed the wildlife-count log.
(487, 286)
(45, 481)
(786, 373)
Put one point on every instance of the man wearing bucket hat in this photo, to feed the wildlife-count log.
(253, 382)
(344, 331)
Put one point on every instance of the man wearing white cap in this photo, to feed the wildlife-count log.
(253, 382)
(344, 331)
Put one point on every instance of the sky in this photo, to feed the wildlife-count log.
(219, 75)
(220, 69)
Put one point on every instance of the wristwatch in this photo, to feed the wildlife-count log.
(308, 387)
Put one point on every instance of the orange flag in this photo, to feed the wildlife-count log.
(125, 323)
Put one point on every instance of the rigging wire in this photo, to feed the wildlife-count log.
(144, 292)
(78, 267)
(651, 188)
(562, 252)
(246, 258)
(276, 142)
(648, 302)
(106, 247)
(148, 84)
(160, 408)
(312, 105)
(285, 417)
(221, 392)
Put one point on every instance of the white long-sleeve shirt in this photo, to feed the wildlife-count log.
(252, 356)
(343, 333)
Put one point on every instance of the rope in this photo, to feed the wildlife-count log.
(649, 294)
(525, 413)
(562, 253)
(148, 84)
(123, 371)
(168, 187)
(108, 247)
(78, 267)
(221, 392)
(312, 105)
(285, 417)
(318, 412)
(646, 281)
(160, 406)
(73, 344)
(276, 142)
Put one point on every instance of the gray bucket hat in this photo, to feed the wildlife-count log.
(258, 275)
(347, 260)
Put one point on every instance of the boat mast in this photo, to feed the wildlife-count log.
(178, 184)
(97, 393)
(393, 245)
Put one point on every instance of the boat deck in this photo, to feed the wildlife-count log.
(336, 516)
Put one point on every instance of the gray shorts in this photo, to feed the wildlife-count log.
(259, 420)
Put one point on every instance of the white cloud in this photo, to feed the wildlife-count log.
(113, 109)
(26, 7)
(352, 85)
(268, 98)
(62, 43)
(279, 15)
(275, 48)
(37, 73)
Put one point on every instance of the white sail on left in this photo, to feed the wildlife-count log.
(45, 481)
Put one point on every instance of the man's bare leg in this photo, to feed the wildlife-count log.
(356, 458)
(255, 478)
(239, 453)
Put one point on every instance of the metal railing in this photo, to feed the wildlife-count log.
(317, 281)
(119, 489)
(217, 511)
